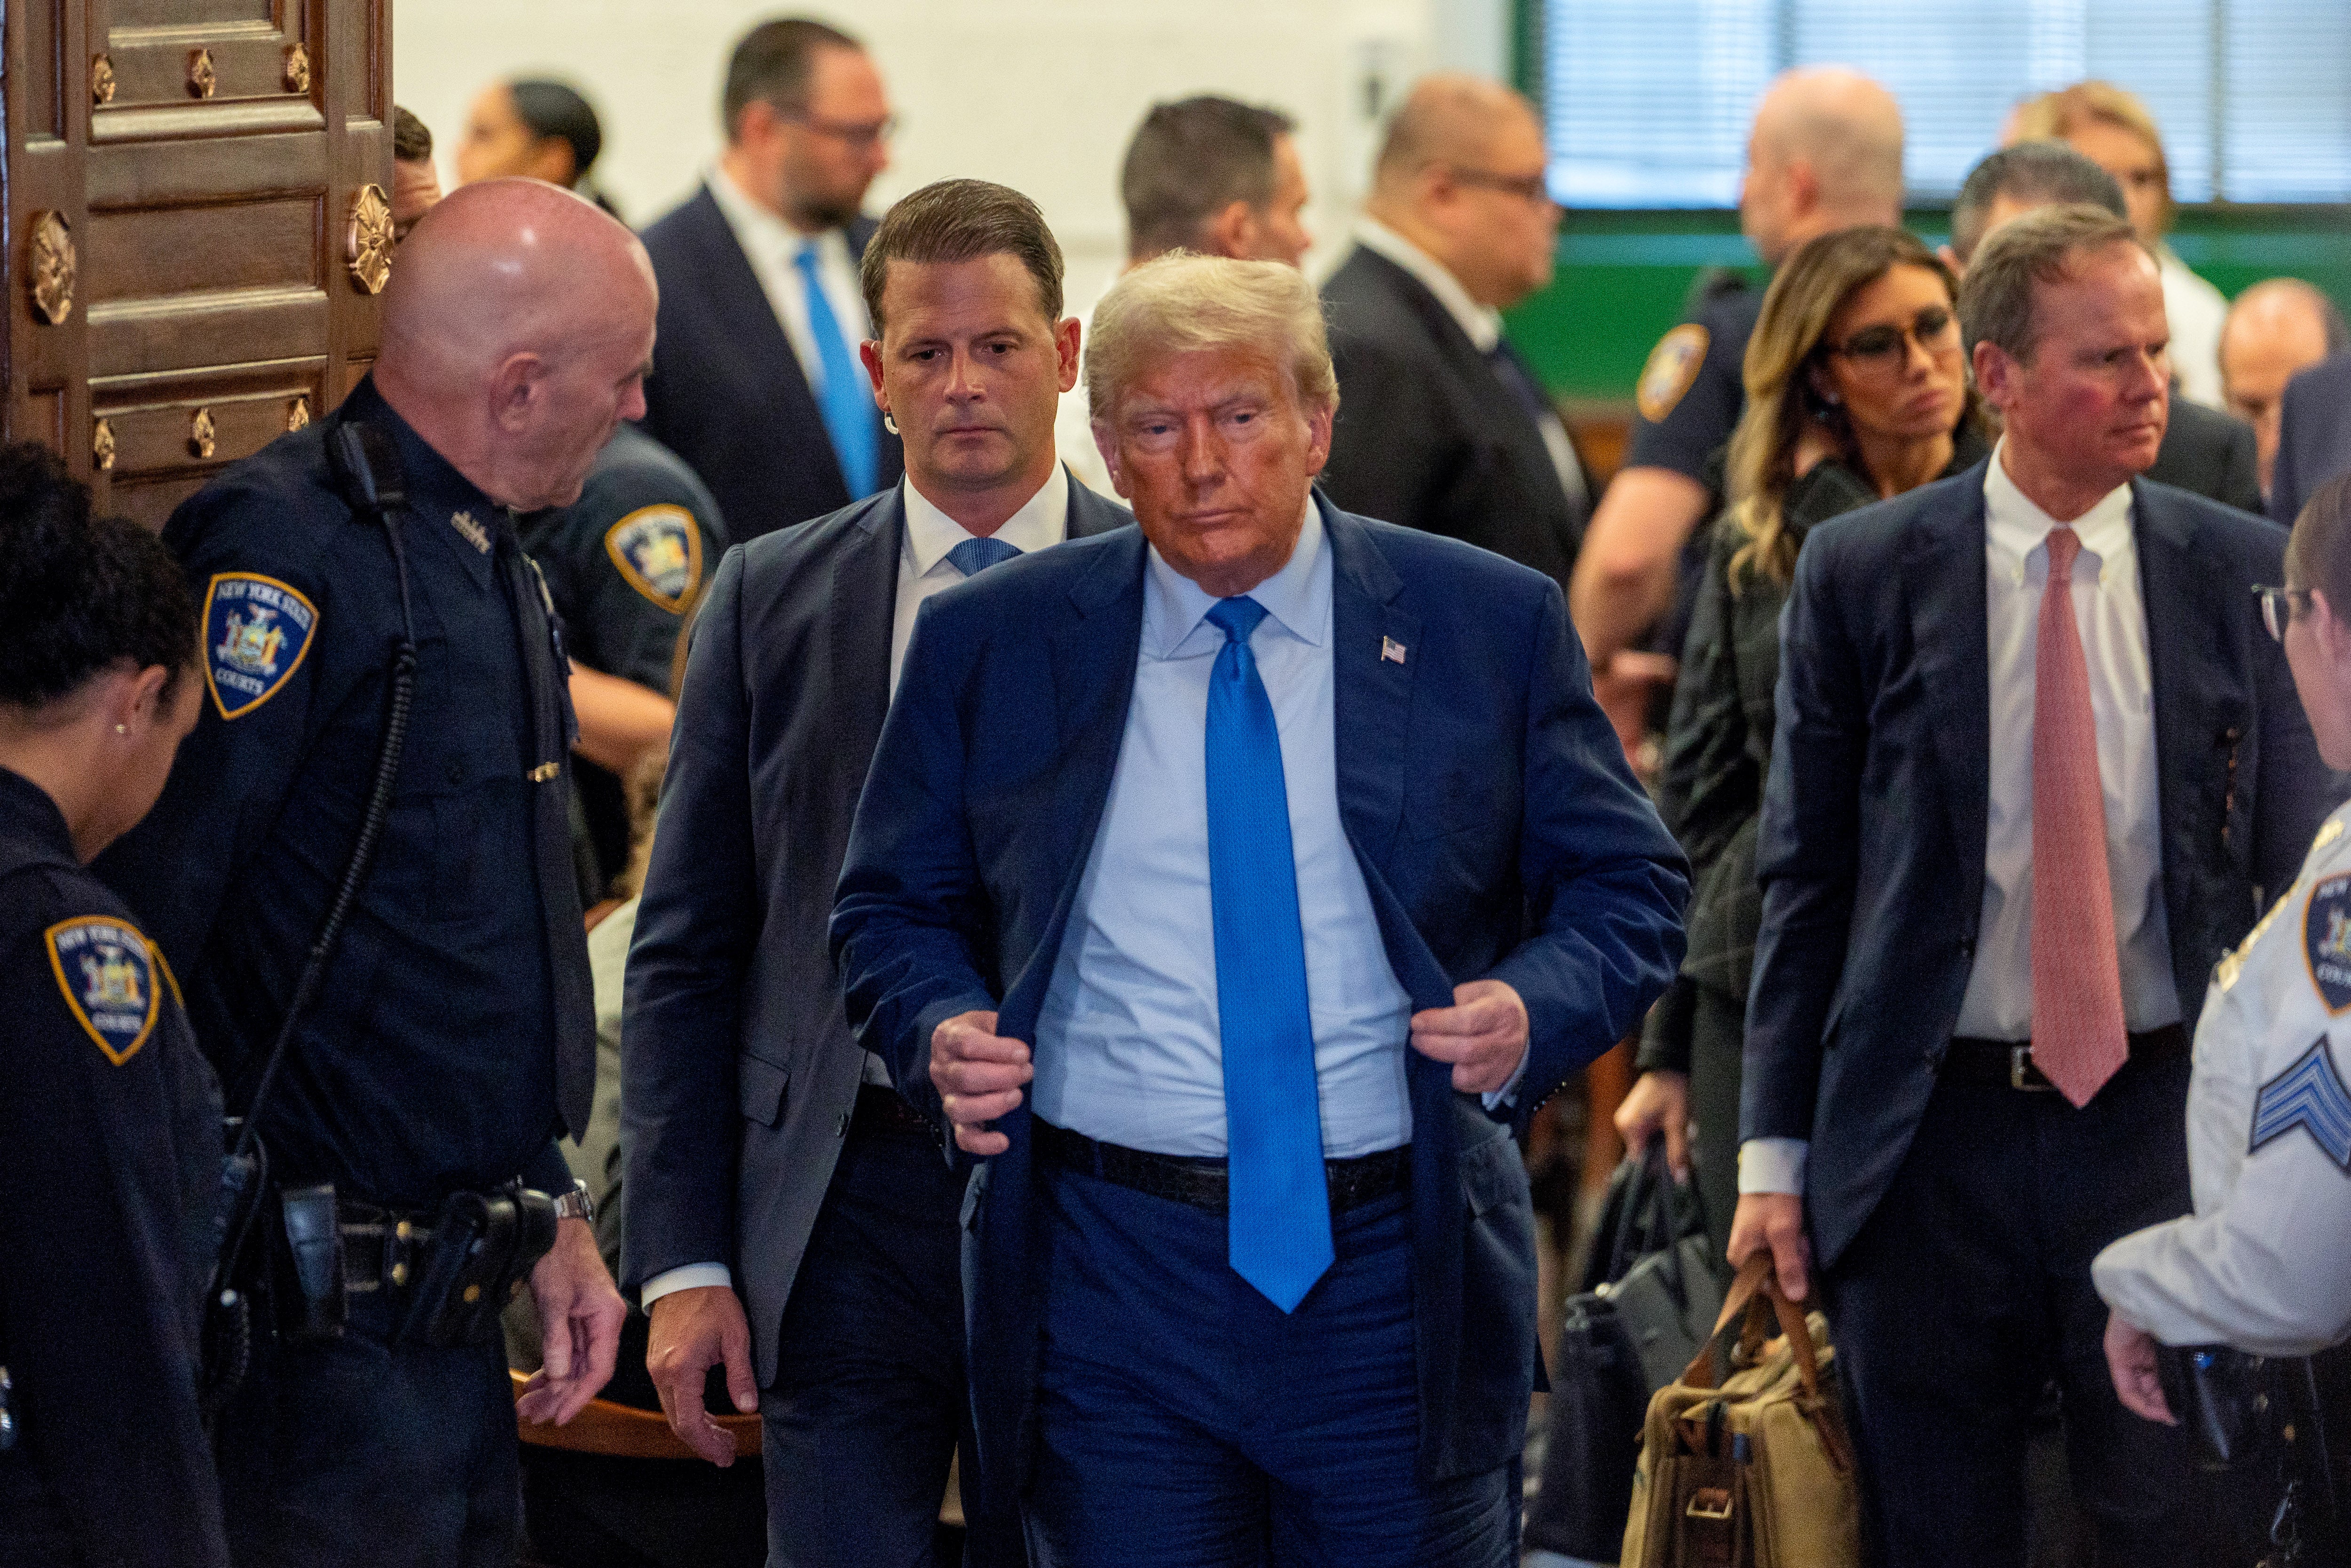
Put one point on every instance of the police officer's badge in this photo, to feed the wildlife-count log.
(659, 552)
(109, 977)
(257, 630)
(2309, 1095)
(2327, 940)
(1673, 366)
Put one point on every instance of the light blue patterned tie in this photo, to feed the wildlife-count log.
(976, 555)
(845, 401)
(1278, 1233)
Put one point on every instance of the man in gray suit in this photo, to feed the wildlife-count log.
(768, 1159)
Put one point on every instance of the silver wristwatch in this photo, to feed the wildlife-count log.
(576, 1203)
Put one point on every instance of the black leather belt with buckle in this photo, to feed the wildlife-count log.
(2008, 1063)
(1201, 1181)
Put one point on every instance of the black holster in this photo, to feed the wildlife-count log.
(306, 1285)
(483, 1247)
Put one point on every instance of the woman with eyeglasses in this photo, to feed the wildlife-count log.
(2262, 1267)
(1856, 391)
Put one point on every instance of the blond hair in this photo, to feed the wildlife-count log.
(2053, 117)
(1811, 287)
(1182, 302)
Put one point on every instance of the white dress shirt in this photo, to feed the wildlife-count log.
(2107, 608)
(1128, 1044)
(1481, 324)
(924, 570)
(773, 248)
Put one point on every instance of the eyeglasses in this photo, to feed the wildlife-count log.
(2279, 606)
(1530, 188)
(858, 138)
(1880, 348)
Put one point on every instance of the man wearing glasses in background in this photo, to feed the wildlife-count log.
(1441, 425)
(756, 381)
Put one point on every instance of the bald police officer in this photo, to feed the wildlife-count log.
(452, 1037)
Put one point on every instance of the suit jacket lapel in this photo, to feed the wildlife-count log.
(2175, 596)
(1951, 629)
(860, 620)
(734, 298)
(1372, 669)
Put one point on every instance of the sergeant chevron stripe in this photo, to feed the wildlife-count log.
(2309, 1095)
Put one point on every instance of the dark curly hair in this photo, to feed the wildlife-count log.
(79, 595)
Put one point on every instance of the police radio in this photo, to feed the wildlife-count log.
(367, 470)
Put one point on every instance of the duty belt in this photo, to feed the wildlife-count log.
(1200, 1181)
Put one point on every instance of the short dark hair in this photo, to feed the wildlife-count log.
(412, 139)
(79, 594)
(2047, 174)
(772, 65)
(1190, 161)
(1996, 300)
(2319, 554)
(963, 220)
(554, 109)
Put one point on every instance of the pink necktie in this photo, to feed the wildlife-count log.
(2078, 1038)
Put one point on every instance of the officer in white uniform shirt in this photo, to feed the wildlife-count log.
(2263, 1264)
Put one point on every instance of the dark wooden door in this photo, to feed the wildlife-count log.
(194, 197)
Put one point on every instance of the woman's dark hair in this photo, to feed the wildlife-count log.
(551, 108)
(79, 595)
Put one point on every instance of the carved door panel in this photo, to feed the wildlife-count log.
(195, 228)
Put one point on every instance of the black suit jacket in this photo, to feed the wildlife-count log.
(2313, 435)
(736, 1065)
(1427, 436)
(1498, 830)
(1885, 713)
(2209, 454)
(728, 393)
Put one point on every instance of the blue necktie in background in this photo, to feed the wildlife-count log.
(1278, 1226)
(974, 556)
(845, 400)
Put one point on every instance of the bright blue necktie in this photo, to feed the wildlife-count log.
(974, 556)
(846, 404)
(1277, 1234)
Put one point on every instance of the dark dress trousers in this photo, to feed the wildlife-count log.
(2313, 435)
(728, 393)
(1954, 1222)
(1429, 434)
(2210, 453)
(741, 1077)
(1718, 751)
(1499, 832)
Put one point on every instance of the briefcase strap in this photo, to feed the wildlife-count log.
(1755, 1300)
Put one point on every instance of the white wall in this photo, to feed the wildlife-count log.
(1037, 94)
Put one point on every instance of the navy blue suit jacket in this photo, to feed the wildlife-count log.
(1498, 832)
(728, 393)
(2313, 435)
(1872, 846)
(736, 1065)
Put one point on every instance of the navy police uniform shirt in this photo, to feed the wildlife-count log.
(430, 1061)
(624, 564)
(1693, 388)
(110, 1126)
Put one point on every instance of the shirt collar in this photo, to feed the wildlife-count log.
(2018, 526)
(452, 505)
(1482, 323)
(755, 228)
(931, 533)
(31, 809)
(1298, 596)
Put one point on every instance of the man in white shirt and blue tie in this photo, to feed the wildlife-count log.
(769, 1162)
(761, 314)
(1231, 888)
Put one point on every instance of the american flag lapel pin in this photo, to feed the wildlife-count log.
(1391, 651)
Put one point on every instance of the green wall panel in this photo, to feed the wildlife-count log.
(1622, 276)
